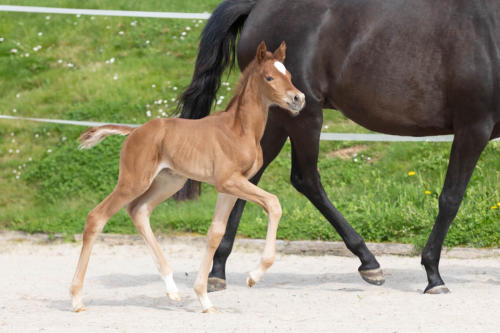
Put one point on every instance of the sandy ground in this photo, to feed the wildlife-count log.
(124, 293)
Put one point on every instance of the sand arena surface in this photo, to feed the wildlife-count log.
(124, 293)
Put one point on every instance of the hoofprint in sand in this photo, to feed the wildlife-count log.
(306, 293)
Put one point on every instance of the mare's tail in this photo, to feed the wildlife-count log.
(94, 135)
(216, 51)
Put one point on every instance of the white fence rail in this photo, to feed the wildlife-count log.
(102, 12)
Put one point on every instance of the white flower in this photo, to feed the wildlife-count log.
(26, 54)
(92, 18)
(40, 34)
(175, 88)
(63, 138)
(17, 96)
(17, 177)
(108, 27)
(196, 25)
(115, 77)
(1, 39)
(219, 102)
(10, 150)
(59, 61)
(17, 151)
(13, 141)
(12, 134)
(174, 37)
(121, 33)
(153, 85)
(133, 23)
(188, 28)
(183, 33)
(30, 159)
(148, 113)
(355, 160)
(49, 151)
(70, 65)
(47, 17)
(14, 171)
(182, 38)
(147, 42)
(37, 135)
(37, 48)
(13, 51)
(78, 15)
(112, 60)
(15, 110)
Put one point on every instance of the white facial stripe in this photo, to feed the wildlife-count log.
(280, 67)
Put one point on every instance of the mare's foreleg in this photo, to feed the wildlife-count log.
(465, 151)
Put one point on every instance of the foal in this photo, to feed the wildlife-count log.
(222, 149)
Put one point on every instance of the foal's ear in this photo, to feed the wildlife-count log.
(280, 53)
(261, 52)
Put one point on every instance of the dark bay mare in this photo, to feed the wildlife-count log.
(404, 67)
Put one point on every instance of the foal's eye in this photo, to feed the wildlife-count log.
(269, 78)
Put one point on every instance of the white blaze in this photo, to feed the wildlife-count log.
(280, 67)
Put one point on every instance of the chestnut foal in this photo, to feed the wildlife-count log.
(222, 149)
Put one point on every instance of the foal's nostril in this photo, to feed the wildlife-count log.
(296, 98)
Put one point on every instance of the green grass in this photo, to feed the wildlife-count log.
(71, 77)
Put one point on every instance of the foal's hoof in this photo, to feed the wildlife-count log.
(442, 289)
(216, 284)
(373, 276)
(211, 309)
(174, 296)
(79, 308)
(250, 282)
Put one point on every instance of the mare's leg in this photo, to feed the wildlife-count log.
(225, 203)
(164, 186)
(272, 142)
(244, 189)
(97, 218)
(304, 134)
(465, 151)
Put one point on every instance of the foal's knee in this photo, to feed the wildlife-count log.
(93, 224)
(274, 207)
(305, 185)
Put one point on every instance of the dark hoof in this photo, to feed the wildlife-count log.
(442, 289)
(373, 276)
(216, 284)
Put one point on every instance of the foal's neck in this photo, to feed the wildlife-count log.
(250, 110)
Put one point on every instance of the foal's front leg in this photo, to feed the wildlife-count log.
(244, 189)
(225, 203)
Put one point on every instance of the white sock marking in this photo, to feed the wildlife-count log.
(170, 284)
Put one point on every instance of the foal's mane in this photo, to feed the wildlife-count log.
(243, 81)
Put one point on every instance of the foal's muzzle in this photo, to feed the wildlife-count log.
(296, 101)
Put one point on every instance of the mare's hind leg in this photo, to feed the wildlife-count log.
(272, 142)
(465, 151)
(164, 186)
(97, 218)
(306, 179)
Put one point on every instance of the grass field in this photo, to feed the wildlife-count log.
(130, 70)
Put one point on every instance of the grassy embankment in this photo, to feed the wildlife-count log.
(119, 69)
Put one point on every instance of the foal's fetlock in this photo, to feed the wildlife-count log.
(171, 287)
(76, 299)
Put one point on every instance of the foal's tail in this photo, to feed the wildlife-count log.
(94, 135)
(216, 51)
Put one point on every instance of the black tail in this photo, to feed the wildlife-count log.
(217, 50)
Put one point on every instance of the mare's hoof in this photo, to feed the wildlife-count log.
(250, 282)
(373, 276)
(174, 296)
(211, 309)
(216, 284)
(442, 289)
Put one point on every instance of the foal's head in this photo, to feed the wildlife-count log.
(275, 81)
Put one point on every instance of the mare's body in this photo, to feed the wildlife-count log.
(405, 67)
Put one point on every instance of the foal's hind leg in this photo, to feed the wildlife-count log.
(465, 151)
(96, 220)
(164, 186)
